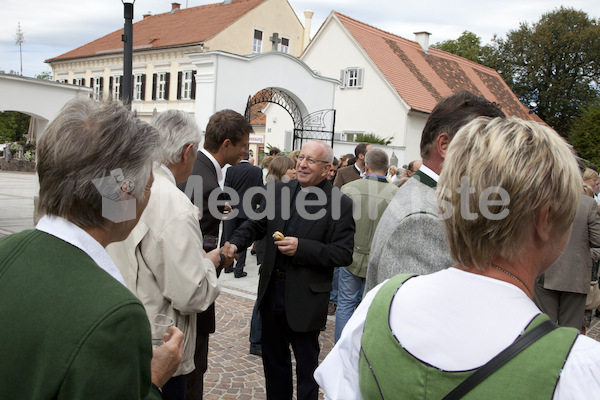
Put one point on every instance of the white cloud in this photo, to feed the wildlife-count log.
(54, 27)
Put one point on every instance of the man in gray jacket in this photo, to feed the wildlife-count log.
(409, 237)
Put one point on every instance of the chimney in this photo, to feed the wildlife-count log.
(148, 14)
(423, 39)
(308, 14)
(175, 7)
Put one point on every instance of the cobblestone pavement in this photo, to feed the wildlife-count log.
(234, 373)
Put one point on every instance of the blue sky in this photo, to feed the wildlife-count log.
(54, 27)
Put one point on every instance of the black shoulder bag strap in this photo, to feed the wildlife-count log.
(502, 358)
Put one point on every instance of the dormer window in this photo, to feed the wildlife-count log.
(257, 42)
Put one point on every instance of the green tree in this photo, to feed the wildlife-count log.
(468, 45)
(13, 126)
(46, 75)
(551, 65)
(585, 134)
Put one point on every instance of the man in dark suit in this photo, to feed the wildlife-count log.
(226, 139)
(353, 172)
(240, 178)
(295, 279)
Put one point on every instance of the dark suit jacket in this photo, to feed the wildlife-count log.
(323, 244)
(204, 179)
(345, 175)
(241, 178)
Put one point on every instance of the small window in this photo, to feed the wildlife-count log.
(97, 88)
(162, 84)
(257, 42)
(80, 82)
(116, 89)
(186, 85)
(350, 136)
(285, 45)
(352, 78)
(138, 88)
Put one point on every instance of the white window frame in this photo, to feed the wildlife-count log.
(138, 84)
(186, 85)
(116, 90)
(352, 78)
(257, 43)
(97, 88)
(161, 85)
(285, 48)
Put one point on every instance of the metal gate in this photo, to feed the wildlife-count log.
(319, 125)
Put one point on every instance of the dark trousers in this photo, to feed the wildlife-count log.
(229, 227)
(255, 329)
(175, 388)
(564, 308)
(195, 381)
(276, 339)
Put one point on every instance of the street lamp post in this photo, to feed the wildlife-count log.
(127, 52)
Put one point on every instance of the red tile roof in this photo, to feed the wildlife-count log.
(182, 27)
(423, 79)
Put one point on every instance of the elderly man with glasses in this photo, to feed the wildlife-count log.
(316, 221)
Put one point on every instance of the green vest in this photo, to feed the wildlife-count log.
(387, 371)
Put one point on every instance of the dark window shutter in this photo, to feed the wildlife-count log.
(110, 85)
(121, 88)
(83, 81)
(101, 85)
(179, 82)
(74, 81)
(194, 84)
(92, 82)
(143, 86)
(154, 79)
(167, 85)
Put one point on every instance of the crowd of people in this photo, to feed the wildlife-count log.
(493, 234)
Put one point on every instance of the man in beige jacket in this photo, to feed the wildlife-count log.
(162, 261)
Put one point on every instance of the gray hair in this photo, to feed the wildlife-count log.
(89, 141)
(377, 160)
(327, 151)
(177, 129)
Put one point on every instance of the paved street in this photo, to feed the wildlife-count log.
(233, 373)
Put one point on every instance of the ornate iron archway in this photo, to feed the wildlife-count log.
(319, 125)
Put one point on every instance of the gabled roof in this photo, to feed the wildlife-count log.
(182, 27)
(422, 79)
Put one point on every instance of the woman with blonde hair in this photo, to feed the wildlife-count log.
(508, 195)
(281, 168)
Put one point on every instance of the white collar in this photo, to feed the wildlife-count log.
(429, 172)
(215, 163)
(169, 173)
(72, 234)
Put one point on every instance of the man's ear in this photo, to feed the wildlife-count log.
(441, 143)
(188, 151)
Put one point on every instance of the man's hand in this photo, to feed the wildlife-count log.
(230, 250)
(166, 358)
(288, 245)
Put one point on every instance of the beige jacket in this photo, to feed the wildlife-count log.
(162, 262)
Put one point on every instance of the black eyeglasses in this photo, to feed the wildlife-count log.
(310, 161)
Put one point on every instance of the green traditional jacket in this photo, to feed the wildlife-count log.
(69, 330)
(371, 196)
(387, 371)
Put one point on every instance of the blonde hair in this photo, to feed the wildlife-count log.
(589, 174)
(527, 161)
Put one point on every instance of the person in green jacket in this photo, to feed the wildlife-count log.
(71, 329)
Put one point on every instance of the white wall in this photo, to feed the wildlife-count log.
(376, 107)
